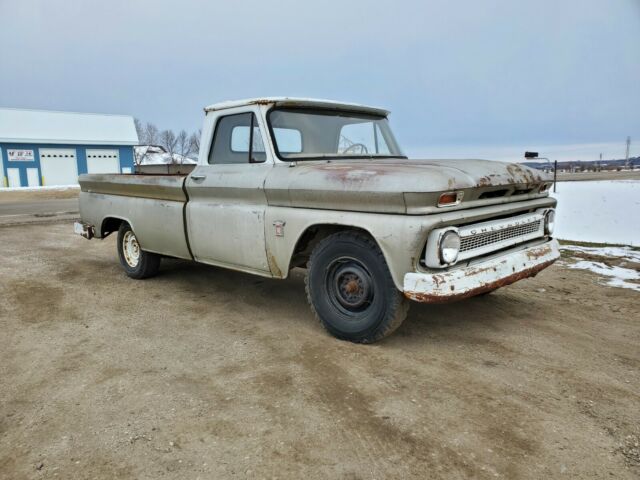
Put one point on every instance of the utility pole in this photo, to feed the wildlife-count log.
(599, 163)
(626, 163)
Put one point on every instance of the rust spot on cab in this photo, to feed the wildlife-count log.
(357, 174)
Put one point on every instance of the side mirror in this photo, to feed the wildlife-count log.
(530, 154)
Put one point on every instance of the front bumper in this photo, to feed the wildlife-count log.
(482, 277)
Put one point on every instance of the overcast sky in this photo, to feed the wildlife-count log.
(462, 78)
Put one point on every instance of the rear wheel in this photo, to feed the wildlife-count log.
(351, 291)
(136, 262)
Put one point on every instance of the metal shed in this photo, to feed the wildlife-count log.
(47, 148)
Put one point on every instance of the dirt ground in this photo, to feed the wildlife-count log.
(14, 196)
(205, 373)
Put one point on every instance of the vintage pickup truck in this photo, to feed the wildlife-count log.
(283, 183)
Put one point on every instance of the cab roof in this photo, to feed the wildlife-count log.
(299, 102)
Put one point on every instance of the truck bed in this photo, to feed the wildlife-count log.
(159, 186)
(145, 202)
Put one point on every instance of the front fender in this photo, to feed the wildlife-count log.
(400, 237)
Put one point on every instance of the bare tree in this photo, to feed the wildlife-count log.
(169, 141)
(139, 152)
(139, 130)
(184, 146)
(195, 141)
(150, 134)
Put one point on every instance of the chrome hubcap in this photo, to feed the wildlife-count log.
(131, 249)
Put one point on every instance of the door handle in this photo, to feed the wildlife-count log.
(198, 177)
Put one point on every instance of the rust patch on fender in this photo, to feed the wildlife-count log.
(529, 175)
(487, 287)
(484, 182)
(273, 265)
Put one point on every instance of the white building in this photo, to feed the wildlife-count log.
(39, 147)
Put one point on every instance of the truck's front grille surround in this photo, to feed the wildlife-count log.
(486, 237)
(473, 242)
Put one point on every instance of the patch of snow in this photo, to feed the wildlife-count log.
(620, 252)
(601, 211)
(618, 276)
(157, 155)
(46, 187)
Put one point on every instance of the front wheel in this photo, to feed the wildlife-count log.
(351, 291)
(136, 262)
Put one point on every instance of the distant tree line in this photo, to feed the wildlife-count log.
(588, 165)
(182, 143)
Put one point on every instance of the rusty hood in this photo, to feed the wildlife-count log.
(382, 185)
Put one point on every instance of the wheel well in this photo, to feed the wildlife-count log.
(110, 225)
(312, 236)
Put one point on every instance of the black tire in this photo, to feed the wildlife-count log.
(139, 265)
(350, 289)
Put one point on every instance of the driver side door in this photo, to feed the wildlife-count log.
(226, 209)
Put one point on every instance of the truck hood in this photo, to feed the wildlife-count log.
(392, 186)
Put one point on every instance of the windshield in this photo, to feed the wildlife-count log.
(311, 134)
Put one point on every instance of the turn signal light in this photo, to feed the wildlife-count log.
(449, 199)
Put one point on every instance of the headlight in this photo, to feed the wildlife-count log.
(549, 222)
(449, 247)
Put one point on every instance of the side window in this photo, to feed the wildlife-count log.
(240, 138)
(237, 139)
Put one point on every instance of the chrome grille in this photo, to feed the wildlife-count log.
(486, 237)
(473, 242)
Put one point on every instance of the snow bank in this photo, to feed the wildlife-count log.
(166, 159)
(605, 211)
(157, 155)
(625, 253)
(618, 276)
